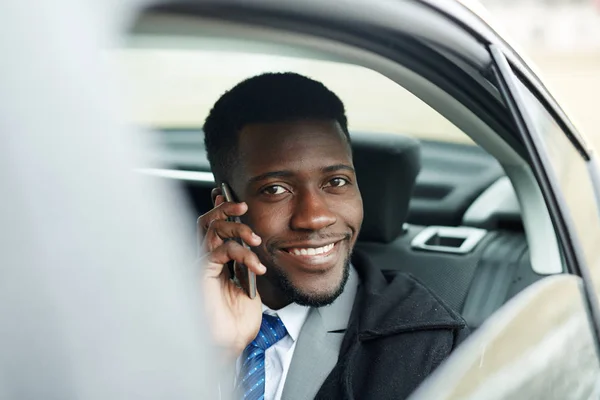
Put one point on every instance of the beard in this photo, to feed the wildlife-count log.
(293, 294)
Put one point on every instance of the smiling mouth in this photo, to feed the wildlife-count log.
(312, 258)
(311, 251)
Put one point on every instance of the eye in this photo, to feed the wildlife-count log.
(337, 182)
(274, 190)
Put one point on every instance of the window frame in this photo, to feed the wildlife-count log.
(543, 168)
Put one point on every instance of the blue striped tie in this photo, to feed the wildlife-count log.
(251, 379)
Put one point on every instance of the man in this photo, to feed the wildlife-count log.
(326, 323)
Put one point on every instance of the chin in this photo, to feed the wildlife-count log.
(317, 292)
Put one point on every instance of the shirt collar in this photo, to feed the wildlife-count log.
(293, 316)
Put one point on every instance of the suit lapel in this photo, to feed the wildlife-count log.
(318, 346)
(315, 356)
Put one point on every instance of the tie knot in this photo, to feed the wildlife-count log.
(271, 331)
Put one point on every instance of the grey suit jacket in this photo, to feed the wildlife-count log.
(319, 344)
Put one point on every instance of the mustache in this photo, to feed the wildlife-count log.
(316, 237)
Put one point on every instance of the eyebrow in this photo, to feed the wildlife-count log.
(273, 174)
(287, 174)
(337, 167)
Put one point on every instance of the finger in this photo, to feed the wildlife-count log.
(220, 230)
(222, 211)
(232, 251)
(214, 193)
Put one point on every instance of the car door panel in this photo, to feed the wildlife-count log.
(538, 345)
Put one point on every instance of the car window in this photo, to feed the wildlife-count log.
(174, 85)
(175, 88)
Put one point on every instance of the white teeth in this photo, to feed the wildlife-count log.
(311, 251)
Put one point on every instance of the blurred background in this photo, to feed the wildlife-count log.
(176, 80)
(562, 37)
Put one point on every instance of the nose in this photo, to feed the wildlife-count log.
(311, 211)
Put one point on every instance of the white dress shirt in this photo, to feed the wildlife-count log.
(279, 356)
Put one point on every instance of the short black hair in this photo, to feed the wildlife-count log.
(266, 98)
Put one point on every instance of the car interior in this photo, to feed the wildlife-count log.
(462, 213)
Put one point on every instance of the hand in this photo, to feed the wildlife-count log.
(234, 318)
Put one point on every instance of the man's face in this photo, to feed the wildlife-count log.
(303, 201)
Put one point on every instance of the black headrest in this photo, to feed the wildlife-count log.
(386, 166)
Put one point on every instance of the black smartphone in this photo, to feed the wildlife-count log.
(242, 276)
